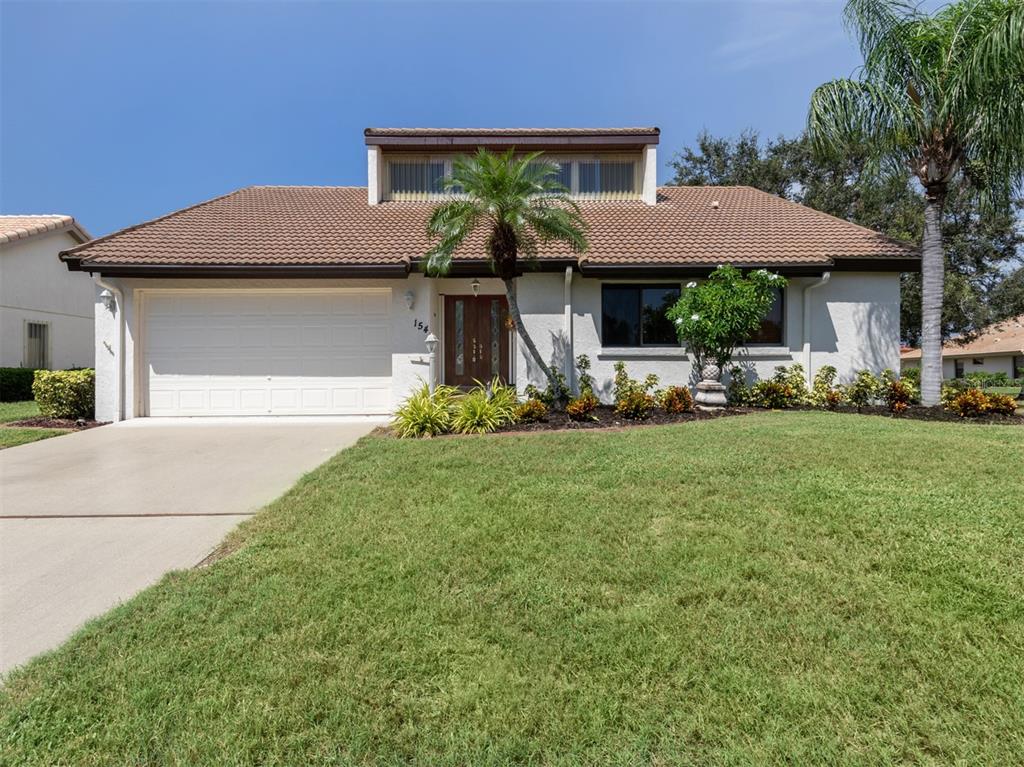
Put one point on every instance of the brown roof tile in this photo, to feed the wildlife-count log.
(328, 226)
(1003, 337)
(13, 228)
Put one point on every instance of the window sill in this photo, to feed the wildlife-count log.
(642, 353)
(763, 353)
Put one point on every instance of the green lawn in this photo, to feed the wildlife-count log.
(800, 588)
(13, 436)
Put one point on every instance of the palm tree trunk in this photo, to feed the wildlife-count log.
(513, 309)
(932, 268)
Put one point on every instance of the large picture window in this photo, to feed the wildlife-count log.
(634, 315)
(771, 330)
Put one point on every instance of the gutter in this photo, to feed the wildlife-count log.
(806, 329)
(567, 329)
(119, 308)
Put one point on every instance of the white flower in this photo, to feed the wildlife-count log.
(679, 321)
(691, 284)
(694, 316)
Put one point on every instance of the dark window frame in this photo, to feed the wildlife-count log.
(782, 326)
(639, 287)
(958, 367)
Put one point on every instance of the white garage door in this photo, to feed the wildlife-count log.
(273, 353)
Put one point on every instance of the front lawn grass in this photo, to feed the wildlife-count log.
(12, 436)
(18, 411)
(800, 588)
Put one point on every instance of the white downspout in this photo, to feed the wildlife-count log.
(567, 329)
(119, 304)
(806, 329)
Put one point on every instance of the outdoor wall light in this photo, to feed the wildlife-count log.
(108, 299)
(475, 284)
(410, 299)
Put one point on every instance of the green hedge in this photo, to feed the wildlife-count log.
(16, 384)
(65, 393)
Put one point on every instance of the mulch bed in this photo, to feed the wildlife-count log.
(42, 422)
(605, 418)
(920, 413)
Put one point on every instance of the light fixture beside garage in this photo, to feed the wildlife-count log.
(410, 299)
(475, 284)
(108, 299)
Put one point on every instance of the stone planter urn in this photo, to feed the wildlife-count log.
(711, 391)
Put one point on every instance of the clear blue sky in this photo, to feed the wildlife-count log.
(116, 112)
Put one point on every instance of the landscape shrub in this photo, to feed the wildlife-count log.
(1001, 404)
(65, 393)
(864, 390)
(737, 392)
(772, 394)
(582, 408)
(969, 403)
(586, 380)
(983, 380)
(824, 392)
(424, 414)
(16, 384)
(912, 376)
(795, 377)
(898, 395)
(532, 411)
(677, 399)
(633, 399)
(485, 408)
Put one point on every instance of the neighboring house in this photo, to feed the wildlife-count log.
(311, 300)
(999, 348)
(46, 314)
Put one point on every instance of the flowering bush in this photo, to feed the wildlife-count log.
(677, 399)
(532, 411)
(721, 313)
(581, 408)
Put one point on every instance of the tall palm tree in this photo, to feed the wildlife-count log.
(521, 205)
(943, 95)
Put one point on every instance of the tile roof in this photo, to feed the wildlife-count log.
(334, 226)
(423, 132)
(1003, 337)
(14, 228)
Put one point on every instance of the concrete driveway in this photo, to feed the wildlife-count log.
(89, 519)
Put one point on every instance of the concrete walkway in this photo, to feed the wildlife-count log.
(89, 519)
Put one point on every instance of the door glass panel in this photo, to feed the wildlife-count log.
(460, 355)
(495, 337)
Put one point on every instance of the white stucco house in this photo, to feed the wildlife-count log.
(998, 348)
(46, 312)
(311, 300)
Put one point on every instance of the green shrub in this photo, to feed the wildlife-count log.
(737, 392)
(532, 411)
(865, 389)
(16, 384)
(546, 395)
(824, 393)
(65, 393)
(424, 414)
(486, 408)
(582, 408)
(912, 376)
(983, 380)
(898, 395)
(969, 403)
(795, 378)
(772, 394)
(633, 399)
(677, 399)
(586, 380)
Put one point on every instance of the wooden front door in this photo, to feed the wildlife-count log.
(475, 339)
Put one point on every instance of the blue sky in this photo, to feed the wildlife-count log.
(116, 112)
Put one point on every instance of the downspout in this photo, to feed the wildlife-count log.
(119, 307)
(806, 329)
(567, 329)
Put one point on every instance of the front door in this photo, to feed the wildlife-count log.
(475, 339)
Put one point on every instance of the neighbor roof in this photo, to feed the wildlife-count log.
(523, 138)
(1003, 337)
(14, 228)
(335, 227)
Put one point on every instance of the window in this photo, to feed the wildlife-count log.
(37, 345)
(958, 368)
(978, 361)
(416, 177)
(770, 331)
(606, 177)
(634, 315)
(1018, 367)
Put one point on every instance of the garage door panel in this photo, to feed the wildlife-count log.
(257, 354)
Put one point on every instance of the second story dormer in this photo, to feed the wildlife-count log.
(410, 164)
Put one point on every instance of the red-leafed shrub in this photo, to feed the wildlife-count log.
(582, 407)
(677, 399)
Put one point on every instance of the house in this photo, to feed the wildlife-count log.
(999, 348)
(46, 313)
(311, 300)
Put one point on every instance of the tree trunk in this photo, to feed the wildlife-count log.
(513, 309)
(932, 268)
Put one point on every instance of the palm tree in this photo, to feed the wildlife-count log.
(942, 95)
(521, 205)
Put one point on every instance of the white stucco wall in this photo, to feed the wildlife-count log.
(36, 287)
(854, 322)
(997, 363)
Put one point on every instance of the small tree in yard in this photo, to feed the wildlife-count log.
(518, 204)
(721, 313)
